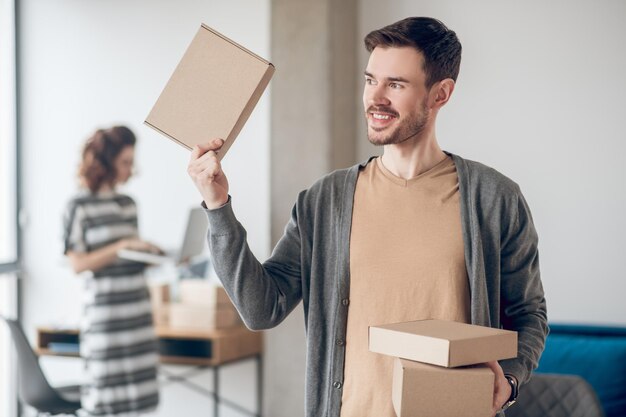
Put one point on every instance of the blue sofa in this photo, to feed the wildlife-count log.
(597, 354)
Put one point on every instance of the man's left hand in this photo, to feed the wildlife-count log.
(501, 390)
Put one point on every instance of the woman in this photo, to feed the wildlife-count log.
(117, 336)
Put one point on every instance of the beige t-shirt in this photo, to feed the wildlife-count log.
(406, 263)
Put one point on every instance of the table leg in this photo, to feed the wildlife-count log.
(216, 391)
(259, 384)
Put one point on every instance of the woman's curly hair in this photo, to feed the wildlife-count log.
(97, 167)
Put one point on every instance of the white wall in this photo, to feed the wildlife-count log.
(540, 97)
(93, 64)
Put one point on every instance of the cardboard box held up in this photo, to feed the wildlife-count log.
(211, 93)
(438, 370)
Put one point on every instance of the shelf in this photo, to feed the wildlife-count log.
(176, 345)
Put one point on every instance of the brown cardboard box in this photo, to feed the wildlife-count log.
(199, 291)
(211, 93)
(161, 314)
(421, 390)
(444, 343)
(159, 294)
(204, 317)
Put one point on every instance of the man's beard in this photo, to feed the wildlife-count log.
(411, 127)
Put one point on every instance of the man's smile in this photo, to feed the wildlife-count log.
(380, 119)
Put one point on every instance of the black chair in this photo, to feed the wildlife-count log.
(34, 388)
(552, 395)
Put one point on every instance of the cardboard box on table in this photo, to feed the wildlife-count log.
(202, 316)
(161, 315)
(159, 300)
(438, 369)
(159, 294)
(199, 291)
(203, 305)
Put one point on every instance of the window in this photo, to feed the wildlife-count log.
(8, 192)
(9, 254)
(8, 308)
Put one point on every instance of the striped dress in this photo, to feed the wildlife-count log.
(117, 338)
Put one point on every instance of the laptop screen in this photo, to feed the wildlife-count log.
(195, 235)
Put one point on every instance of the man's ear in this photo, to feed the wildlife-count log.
(441, 92)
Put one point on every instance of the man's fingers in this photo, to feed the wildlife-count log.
(201, 149)
(495, 367)
(205, 168)
(210, 173)
(217, 143)
(196, 152)
(208, 160)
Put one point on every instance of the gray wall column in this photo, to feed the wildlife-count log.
(313, 119)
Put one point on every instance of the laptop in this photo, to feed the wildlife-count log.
(193, 244)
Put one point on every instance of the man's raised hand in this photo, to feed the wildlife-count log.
(206, 172)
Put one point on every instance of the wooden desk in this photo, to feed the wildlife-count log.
(186, 346)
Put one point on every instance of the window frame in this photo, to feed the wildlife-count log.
(11, 268)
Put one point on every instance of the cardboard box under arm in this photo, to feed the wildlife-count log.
(443, 343)
(421, 390)
(211, 93)
(431, 376)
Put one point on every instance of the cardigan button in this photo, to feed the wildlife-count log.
(337, 385)
(345, 301)
(339, 342)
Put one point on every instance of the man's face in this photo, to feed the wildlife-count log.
(395, 95)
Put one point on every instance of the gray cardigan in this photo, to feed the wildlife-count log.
(310, 263)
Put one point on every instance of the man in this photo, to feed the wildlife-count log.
(417, 233)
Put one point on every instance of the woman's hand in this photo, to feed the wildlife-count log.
(107, 255)
(137, 244)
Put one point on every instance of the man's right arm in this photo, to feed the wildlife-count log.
(264, 294)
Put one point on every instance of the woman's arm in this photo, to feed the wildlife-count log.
(100, 258)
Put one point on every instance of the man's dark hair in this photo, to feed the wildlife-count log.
(439, 45)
